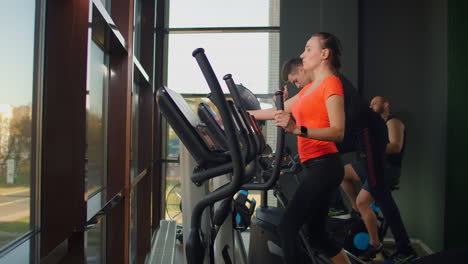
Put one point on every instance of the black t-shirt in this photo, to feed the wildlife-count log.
(361, 121)
(354, 122)
(395, 160)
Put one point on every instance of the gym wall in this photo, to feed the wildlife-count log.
(456, 233)
(404, 46)
(299, 19)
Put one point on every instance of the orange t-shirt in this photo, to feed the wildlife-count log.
(310, 111)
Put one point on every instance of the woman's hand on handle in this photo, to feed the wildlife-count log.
(284, 119)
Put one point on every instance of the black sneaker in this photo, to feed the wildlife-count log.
(372, 251)
(355, 214)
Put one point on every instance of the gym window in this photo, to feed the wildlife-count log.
(240, 38)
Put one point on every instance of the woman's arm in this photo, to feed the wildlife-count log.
(269, 114)
(335, 133)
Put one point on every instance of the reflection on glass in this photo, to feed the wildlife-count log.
(137, 29)
(95, 243)
(20, 254)
(173, 196)
(133, 225)
(107, 5)
(96, 118)
(173, 193)
(94, 203)
(17, 24)
(172, 145)
(224, 13)
(251, 58)
(135, 130)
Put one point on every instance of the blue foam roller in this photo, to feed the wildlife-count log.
(361, 240)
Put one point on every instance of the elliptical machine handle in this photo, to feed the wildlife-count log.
(278, 157)
(194, 246)
(233, 90)
(279, 99)
(254, 143)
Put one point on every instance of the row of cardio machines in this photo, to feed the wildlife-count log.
(232, 145)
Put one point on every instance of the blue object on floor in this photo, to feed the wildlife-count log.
(361, 240)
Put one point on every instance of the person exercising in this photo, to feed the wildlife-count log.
(358, 118)
(386, 139)
(394, 151)
(293, 72)
(316, 116)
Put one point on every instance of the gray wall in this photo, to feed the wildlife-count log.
(403, 57)
(457, 126)
(299, 19)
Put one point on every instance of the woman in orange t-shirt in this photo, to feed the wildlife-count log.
(319, 122)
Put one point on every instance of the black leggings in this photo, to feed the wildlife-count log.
(320, 179)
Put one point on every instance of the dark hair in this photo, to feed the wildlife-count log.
(331, 42)
(289, 67)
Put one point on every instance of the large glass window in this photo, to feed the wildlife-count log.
(96, 106)
(95, 243)
(96, 147)
(17, 110)
(219, 13)
(173, 193)
(240, 38)
(137, 20)
(247, 56)
(135, 131)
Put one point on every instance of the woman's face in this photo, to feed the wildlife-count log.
(313, 54)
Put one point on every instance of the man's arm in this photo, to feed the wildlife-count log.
(396, 130)
(269, 114)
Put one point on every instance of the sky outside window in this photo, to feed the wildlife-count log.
(244, 55)
(251, 57)
(218, 13)
(17, 20)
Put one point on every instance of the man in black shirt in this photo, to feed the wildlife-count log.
(384, 142)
